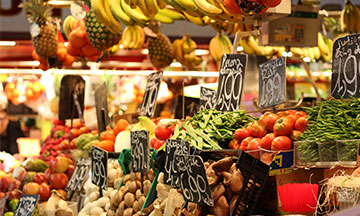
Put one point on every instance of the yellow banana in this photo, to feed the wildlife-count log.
(177, 46)
(163, 18)
(188, 44)
(135, 14)
(152, 7)
(215, 49)
(247, 48)
(119, 13)
(175, 15)
(207, 8)
(113, 21)
(161, 3)
(67, 25)
(194, 19)
(100, 14)
(143, 8)
(254, 45)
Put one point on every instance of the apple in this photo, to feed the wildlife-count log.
(70, 170)
(31, 188)
(58, 180)
(15, 185)
(14, 194)
(39, 177)
(5, 183)
(47, 174)
(44, 191)
(59, 164)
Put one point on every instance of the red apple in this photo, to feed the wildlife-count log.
(58, 180)
(44, 191)
(59, 164)
(31, 188)
(15, 185)
(70, 170)
(5, 183)
(39, 177)
(14, 194)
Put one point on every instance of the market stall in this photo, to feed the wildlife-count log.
(118, 117)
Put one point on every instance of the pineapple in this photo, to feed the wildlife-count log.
(39, 12)
(160, 48)
(100, 37)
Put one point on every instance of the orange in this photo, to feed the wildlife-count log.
(36, 88)
(69, 60)
(15, 93)
(120, 125)
(89, 50)
(61, 45)
(29, 94)
(107, 145)
(77, 38)
(107, 135)
(35, 55)
(72, 50)
(10, 86)
(61, 54)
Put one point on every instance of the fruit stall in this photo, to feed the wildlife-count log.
(179, 107)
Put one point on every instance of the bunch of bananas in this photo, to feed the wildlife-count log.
(69, 24)
(133, 37)
(231, 28)
(184, 50)
(148, 7)
(350, 18)
(219, 45)
(103, 12)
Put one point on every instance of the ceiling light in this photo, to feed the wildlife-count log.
(307, 59)
(144, 51)
(201, 52)
(240, 49)
(121, 46)
(7, 43)
(175, 64)
(60, 2)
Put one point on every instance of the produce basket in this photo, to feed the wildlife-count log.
(326, 154)
(255, 175)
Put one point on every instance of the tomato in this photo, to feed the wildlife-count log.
(290, 112)
(156, 144)
(31, 188)
(301, 124)
(73, 144)
(268, 120)
(107, 145)
(162, 132)
(295, 135)
(293, 118)
(283, 126)
(107, 135)
(267, 140)
(64, 144)
(84, 129)
(242, 133)
(58, 180)
(120, 125)
(281, 143)
(70, 170)
(254, 145)
(44, 191)
(245, 142)
(94, 132)
(39, 177)
(257, 130)
(234, 144)
(300, 113)
(74, 132)
(77, 124)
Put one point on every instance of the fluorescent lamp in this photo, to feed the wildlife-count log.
(307, 59)
(201, 52)
(7, 43)
(175, 64)
(240, 49)
(60, 2)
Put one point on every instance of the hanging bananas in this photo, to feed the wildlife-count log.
(219, 45)
(184, 52)
(350, 18)
(133, 37)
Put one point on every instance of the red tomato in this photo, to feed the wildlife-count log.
(74, 132)
(234, 144)
(254, 145)
(245, 142)
(281, 143)
(257, 130)
(44, 191)
(159, 143)
(58, 180)
(295, 135)
(283, 126)
(39, 177)
(64, 145)
(300, 113)
(291, 112)
(152, 142)
(268, 120)
(267, 140)
(301, 124)
(293, 118)
(70, 170)
(242, 133)
(84, 129)
(162, 133)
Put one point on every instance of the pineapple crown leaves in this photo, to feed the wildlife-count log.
(37, 11)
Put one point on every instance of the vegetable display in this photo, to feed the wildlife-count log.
(211, 129)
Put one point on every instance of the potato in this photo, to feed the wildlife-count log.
(136, 206)
(129, 199)
(147, 186)
(132, 176)
(118, 197)
(104, 214)
(102, 201)
(222, 165)
(217, 191)
(94, 196)
(121, 208)
(107, 192)
(119, 172)
(126, 178)
(107, 206)
(138, 194)
(142, 201)
(138, 184)
(110, 166)
(112, 194)
(112, 175)
(116, 164)
(221, 207)
(236, 182)
(131, 186)
(128, 212)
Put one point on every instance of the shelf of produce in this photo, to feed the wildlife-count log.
(112, 72)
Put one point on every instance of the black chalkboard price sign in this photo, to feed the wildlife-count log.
(345, 77)
(231, 81)
(151, 92)
(207, 98)
(191, 106)
(173, 147)
(272, 82)
(194, 184)
(26, 205)
(99, 160)
(140, 160)
(79, 175)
